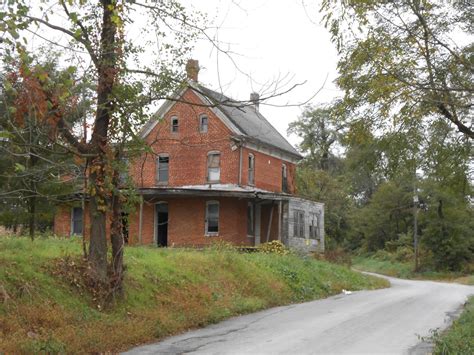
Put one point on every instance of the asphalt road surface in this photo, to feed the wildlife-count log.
(387, 321)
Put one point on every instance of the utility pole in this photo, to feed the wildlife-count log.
(415, 224)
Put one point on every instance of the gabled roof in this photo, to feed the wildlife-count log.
(244, 120)
(250, 121)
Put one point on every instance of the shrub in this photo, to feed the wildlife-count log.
(337, 256)
(274, 247)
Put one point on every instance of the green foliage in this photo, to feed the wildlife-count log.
(167, 291)
(459, 338)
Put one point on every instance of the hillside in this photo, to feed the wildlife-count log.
(167, 291)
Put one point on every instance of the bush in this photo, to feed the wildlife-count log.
(337, 256)
(274, 247)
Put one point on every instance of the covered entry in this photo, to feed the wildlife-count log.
(161, 224)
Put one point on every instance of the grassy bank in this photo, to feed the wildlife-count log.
(167, 291)
(405, 270)
(459, 339)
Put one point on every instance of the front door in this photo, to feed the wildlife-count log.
(161, 224)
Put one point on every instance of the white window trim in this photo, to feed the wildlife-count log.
(213, 152)
(212, 234)
(162, 155)
(200, 123)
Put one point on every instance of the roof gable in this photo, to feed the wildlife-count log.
(244, 121)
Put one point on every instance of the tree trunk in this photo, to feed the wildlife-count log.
(116, 233)
(107, 73)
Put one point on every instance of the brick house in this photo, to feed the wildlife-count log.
(219, 171)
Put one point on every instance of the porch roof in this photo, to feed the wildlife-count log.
(214, 190)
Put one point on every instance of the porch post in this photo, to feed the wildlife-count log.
(279, 220)
(258, 214)
(140, 221)
(270, 222)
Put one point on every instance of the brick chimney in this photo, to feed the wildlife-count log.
(255, 99)
(192, 69)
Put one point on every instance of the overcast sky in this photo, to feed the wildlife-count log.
(273, 41)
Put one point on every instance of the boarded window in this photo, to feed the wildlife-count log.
(298, 224)
(162, 175)
(284, 178)
(212, 218)
(77, 218)
(251, 169)
(213, 167)
(174, 124)
(250, 219)
(203, 124)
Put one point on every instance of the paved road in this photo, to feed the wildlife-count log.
(384, 321)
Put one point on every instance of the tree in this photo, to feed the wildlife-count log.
(32, 163)
(403, 61)
(319, 132)
(96, 40)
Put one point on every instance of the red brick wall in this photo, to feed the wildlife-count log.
(186, 222)
(268, 171)
(188, 150)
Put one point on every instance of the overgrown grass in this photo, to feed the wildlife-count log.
(459, 339)
(405, 270)
(167, 291)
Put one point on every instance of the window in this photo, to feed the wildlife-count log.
(77, 216)
(212, 218)
(298, 224)
(162, 173)
(250, 219)
(284, 178)
(213, 167)
(203, 124)
(174, 124)
(313, 226)
(251, 169)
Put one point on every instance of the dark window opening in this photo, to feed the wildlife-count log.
(174, 125)
(212, 218)
(162, 224)
(284, 178)
(203, 124)
(77, 220)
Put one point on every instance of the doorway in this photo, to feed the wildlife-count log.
(161, 210)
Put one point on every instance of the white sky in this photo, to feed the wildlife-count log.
(271, 39)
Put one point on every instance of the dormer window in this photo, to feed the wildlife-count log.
(203, 124)
(251, 169)
(284, 178)
(213, 167)
(174, 124)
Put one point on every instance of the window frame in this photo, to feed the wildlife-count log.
(201, 117)
(299, 230)
(208, 233)
(174, 127)
(158, 169)
(314, 226)
(72, 233)
(251, 169)
(209, 154)
(284, 178)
